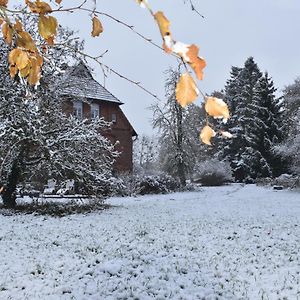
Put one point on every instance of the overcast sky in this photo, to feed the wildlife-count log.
(232, 30)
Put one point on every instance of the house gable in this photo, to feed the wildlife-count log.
(79, 85)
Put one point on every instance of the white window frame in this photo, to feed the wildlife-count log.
(78, 109)
(95, 110)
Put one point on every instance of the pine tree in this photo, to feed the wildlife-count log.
(268, 129)
(256, 124)
(240, 93)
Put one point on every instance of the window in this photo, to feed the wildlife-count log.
(95, 111)
(78, 109)
(114, 117)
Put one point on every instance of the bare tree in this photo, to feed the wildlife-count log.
(179, 132)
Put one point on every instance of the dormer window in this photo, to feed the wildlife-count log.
(77, 109)
(95, 111)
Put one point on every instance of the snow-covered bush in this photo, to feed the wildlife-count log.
(287, 181)
(159, 184)
(129, 185)
(212, 173)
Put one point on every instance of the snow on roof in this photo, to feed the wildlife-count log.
(78, 81)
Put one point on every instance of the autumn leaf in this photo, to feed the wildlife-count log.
(47, 26)
(189, 54)
(18, 58)
(207, 133)
(163, 24)
(3, 3)
(97, 27)
(25, 72)
(7, 33)
(58, 1)
(18, 26)
(196, 62)
(50, 41)
(39, 7)
(217, 108)
(35, 72)
(13, 70)
(186, 90)
(24, 40)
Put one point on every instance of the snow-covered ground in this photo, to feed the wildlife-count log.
(229, 242)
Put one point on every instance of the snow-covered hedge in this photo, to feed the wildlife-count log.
(212, 173)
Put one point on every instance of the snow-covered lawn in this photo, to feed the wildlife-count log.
(229, 242)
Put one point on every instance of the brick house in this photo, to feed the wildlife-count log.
(86, 98)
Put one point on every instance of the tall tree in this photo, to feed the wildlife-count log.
(37, 140)
(268, 129)
(179, 132)
(290, 148)
(256, 124)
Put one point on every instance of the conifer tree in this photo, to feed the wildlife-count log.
(256, 124)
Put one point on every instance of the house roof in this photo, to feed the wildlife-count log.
(78, 81)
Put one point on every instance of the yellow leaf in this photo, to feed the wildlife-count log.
(3, 3)
(7, 33)
(24, 40)
(37, 57)
(25, 72)
(47, 26)
(39, 7)
(207, 133)
(18, 26)
(163, 24)
(189, 53)
(19, 58)
(186, 90)
(34, 73)
(97, 27)
(196, 62)
(217, 108)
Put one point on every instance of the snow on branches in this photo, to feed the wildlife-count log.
(27, 56)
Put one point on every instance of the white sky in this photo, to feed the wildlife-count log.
(232, 30)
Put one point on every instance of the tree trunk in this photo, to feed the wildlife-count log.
(9, 194)
(180, 161)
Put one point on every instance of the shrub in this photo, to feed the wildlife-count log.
(212, 173)
(287, 181)
(158, 184)
(148, 184)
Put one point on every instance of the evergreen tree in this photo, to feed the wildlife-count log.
(256, 124)
(268, 129)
